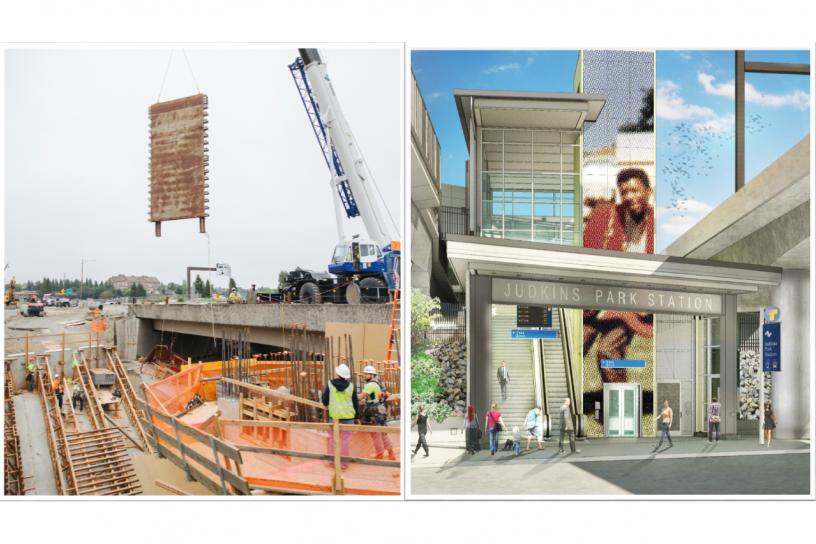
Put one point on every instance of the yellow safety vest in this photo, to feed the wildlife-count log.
(372, 387)
(340, 402)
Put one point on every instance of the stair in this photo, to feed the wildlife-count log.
(518, 355)
(132, 405)
(555, 374)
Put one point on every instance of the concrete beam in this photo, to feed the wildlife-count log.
(271, 336)
(281, 316)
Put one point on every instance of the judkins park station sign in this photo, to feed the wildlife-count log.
(602, 297)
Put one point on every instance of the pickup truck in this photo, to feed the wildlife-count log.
(33, 308)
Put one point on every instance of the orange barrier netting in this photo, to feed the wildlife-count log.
(279, 470)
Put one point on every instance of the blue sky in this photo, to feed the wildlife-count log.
(694, 108)
(438, 73)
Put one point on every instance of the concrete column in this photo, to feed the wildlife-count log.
(479, 295)
(729, 365)
(790, 389)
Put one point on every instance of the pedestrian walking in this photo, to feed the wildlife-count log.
(534, 427)
(567, 428)
(494, 424)
(666, 416)
(338, 396)
(423, 428)
(503, 376)
(714, 419)
(770, 423)
(473, 433)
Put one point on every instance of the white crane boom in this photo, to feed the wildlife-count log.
(378, 222)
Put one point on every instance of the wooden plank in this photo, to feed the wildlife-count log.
(186, 451)
(310, 425)
(272, 393)
(223, 447)
(121, 430)
(171, 488)
(322, 456)
(199, 476)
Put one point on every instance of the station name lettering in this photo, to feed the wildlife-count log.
(589, 296)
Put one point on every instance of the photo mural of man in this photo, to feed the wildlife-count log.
(619, 215)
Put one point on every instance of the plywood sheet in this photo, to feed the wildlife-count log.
(369, 340)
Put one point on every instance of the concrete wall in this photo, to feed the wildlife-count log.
(421, 256)
(454, 195)
(791, 386)
(479, 297)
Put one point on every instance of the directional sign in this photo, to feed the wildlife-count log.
(222, 269)
(533, 316)
(771, 337)
(528, 334)
(623, 363)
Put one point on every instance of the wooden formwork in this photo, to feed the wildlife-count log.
(12, 461)
(128, 395)
(100, 464)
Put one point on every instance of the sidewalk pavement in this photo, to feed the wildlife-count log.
(448, 448)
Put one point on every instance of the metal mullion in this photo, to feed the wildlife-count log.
(561, 194)
(504, 193)
(532, 186)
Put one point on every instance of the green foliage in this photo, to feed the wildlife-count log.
(198, 286)
(136, 290)
(425, 375)
(281, 280)
(422, 307)
(232, 285)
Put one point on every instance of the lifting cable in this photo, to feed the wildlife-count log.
(167, 70)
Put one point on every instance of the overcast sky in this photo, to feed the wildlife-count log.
(77, 148)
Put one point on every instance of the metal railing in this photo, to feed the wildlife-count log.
(453, 220)
(423, 134)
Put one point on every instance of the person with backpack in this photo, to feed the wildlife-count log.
(373, 395)
(31, 374)
(494, 424)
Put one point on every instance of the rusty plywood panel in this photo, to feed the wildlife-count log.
(178, 160)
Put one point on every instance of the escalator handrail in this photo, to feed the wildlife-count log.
(565, 342)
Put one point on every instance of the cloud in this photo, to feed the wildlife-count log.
(433, 96)
(685, 55)
(797, 98)
(716, 125)
(499, 68)
(673, 224)
(720, 89)
(670, 105)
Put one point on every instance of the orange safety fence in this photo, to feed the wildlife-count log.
(303, 474)
(302, 458)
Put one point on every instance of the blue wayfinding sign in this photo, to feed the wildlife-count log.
(623, 363)
(771, 338)
(527, 334)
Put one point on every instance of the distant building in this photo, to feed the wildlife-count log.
(151, 284)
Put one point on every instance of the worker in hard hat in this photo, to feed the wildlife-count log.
(374, 395)
(339, 398)
(31, 374)
(234, 297)
(56, 387)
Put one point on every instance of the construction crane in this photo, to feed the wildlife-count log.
(364, 267)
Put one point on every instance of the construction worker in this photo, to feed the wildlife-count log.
(75, 365)
(373, 394)
(339, 398)
(56, 387)
(31, 374)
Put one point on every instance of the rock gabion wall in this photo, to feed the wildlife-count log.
(453, 358)
(749, 385)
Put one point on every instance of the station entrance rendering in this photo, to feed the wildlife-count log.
(616, 333)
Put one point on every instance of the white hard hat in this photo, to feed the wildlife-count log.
(343, 371)
(370, 370)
